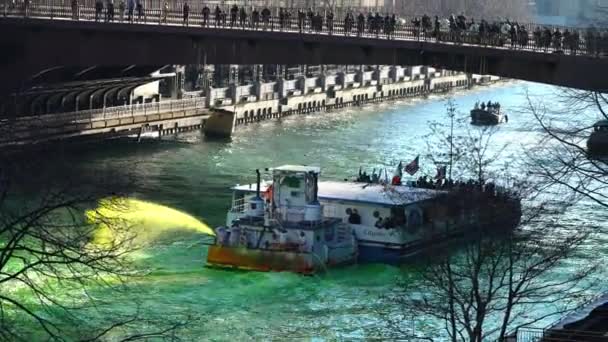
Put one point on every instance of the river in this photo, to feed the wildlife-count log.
(193, 175)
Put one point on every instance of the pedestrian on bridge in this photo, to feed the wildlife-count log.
(98, 9)
(140, 10)
(218, 16)
(266, 18)
(165, 12)
(205, 12)
(233, 14)
(75, 10)
(186, 13)
(330, 21)
(255, 19)
(26, 8)
(110, 10)
(242, 17)
(301, 20)
(131, 8)
(121, 10)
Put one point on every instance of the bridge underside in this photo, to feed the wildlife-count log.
(30, 46)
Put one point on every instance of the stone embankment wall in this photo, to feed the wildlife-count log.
(262, 101)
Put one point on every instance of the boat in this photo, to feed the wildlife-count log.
(489, 114)
(597, 144)
(285, 232)
(393, 222)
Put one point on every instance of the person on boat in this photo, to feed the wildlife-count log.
(282, 239)
(235, 235)
(375, 177)
(388, 222)
(221, 235)
(303, 243)
(483, 106)
(476, 105)
(364, 177)
(244, 239)
(354, 217)
(379, 222)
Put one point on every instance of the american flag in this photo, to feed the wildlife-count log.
(413, 166)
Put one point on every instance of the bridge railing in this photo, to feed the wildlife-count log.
(196, 105)
(591, 42)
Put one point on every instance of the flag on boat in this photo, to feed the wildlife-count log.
(441, 172)
(413, 166)
(398, 170)
(397, 175)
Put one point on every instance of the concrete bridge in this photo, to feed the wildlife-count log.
(50, 37)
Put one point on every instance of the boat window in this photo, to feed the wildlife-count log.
(414, 218)
(398, 216)
(353, 216)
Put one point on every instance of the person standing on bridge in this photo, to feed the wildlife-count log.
(301, 20)
(186, 12)
(98, 9)
(255, 18)
(110, 10)
(75, 10)
(165, 12)
(140, 10)
(266, 17)
(121, 9)
(233, 14)
(330, 21)
(360, 24)
(242, 17)
(131, 8)
(205, 13)
(26, 8)
(218, 15)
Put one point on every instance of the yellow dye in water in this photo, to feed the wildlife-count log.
(138, 220)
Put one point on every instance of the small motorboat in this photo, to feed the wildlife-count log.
(597, 144)
(488, 114)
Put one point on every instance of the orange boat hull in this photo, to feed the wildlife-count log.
(260, 260)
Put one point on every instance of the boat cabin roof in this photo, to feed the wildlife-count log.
(601, 123)
(362, 192)
(298, 168)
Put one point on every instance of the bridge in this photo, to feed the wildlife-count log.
(45, 36)
(166, 117)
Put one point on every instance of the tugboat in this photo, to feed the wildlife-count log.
(394, 222)
(287, 232)
(487, 114)
(597, 144)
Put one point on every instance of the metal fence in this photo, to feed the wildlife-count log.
(109, 113)
(590, 42)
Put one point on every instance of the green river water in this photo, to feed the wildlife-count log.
(193, 175)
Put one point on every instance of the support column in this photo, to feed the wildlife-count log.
(220, 124)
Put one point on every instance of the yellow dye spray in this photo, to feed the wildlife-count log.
(143, 221)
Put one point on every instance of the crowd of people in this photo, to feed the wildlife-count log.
(488, 106)
(455, 28)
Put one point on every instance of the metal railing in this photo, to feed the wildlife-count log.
(557, 335)
(188, 106)
(531, 37)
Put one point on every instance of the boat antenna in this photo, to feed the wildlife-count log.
(257, 184)
(451, 114)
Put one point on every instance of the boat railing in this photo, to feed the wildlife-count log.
(238, 205)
